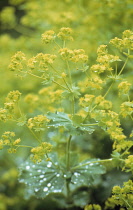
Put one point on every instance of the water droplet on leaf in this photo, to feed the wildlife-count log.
(36, 189)
(41, 176)
(49, 164)
(49, 185)
(27, 167)
(45, 189)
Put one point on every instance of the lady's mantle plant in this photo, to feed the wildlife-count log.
(76, 100)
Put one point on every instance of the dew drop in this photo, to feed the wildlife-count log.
(39, 170)
(58, 175)
(27, 167)
(41, 176)
(36, 189)
(45, 189)
(56, 191)
(33, 166)
(76, 174)
(91, 164)
(30, 174)
(49, 185)
(44, 179)
(49, 164)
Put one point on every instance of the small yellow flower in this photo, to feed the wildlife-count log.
(40, 151)
(66, 53)
(63, 74)
(48, 36)
(124, 87)
(65, 34)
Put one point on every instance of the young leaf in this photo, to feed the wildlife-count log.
(59, 119)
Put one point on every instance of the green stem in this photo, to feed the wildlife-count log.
(69, 72)
(116, 68)
(64, 44)
(67, 84)
(128, 205)
(59, 84)
(34, 75)
(68, 153)
(73, 106)
(68, 189)
(108, 89)
(23, 146)
(91, 162)
(89, 124)
(34, 134)
(73, 102)
(124, 64)
(57, 44)
(17, 145)
(54, 69)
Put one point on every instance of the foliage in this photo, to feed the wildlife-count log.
(62, 106)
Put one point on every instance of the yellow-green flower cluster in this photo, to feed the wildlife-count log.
(38, 123)
(125, 43)
(77, 55)
(43, 61)
(13, 96)
(124, 87)
(48, 36)
(17, 61)
(102, 103)
(109, 120)
(86, 100)
(3, 114)
(124, 195)
(93, 207)
(123, 145)
(126, 108)
(8, 140)
(40, 151)
(129, 163)
(66, 53)
(95, 82)
(65, 34)
(11, 100)
(104, 60)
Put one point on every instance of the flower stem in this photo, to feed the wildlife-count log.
(68, 153)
